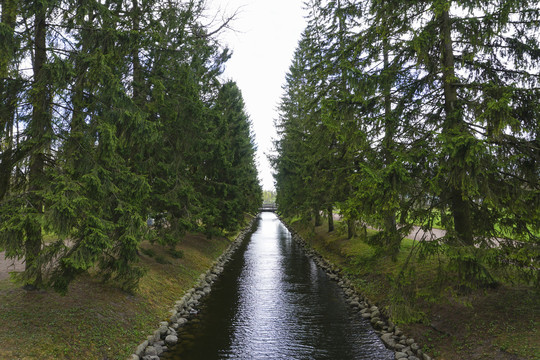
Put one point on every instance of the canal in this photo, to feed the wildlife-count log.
(273, 302)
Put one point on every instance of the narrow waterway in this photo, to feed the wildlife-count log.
(273, 302)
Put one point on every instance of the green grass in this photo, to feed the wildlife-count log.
(176, 254)
(96, 320)
(499, 323)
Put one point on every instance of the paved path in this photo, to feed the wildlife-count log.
(8, 265)
(419, 234)
(415, 234)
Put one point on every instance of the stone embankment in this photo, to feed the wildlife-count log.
(186, 308)
(391, 336)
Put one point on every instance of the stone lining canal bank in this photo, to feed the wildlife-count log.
(391, 335)
(185, 308)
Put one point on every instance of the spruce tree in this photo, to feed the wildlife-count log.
(230, 185)
(293, 162)
(477, 64)
(109, 127)
(9, 89)
(443, 125)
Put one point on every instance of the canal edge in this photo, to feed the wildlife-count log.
(391, 335)
(166, 335)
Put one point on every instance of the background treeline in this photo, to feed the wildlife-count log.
(403, 113)
(112, 112)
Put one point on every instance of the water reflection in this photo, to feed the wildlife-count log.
(273, 302)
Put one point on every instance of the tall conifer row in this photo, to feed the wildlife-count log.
(109, 218)
(230, 185)
(446, 125)
(184, 86)
(335, 111)
(378, 170)
(294, 162)
(112, 127)
(175, 110)
(468, 85)
(22, 214)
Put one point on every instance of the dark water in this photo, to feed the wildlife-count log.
(273, 302)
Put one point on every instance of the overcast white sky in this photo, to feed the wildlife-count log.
(263, 43)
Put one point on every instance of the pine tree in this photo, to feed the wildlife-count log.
(96, 195)
(183, 82)
(39, 132)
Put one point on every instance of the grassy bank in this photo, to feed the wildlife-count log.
(500, 323)
(98, 321)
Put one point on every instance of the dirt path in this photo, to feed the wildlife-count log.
(8, 265)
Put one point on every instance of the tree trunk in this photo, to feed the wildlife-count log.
(7, 100)
(77, 143)
(318, 220)
(9, 16)
(392, 239)
(137, 68)
(454, 126)
(39, 128)
(330, 219)
(351, 228)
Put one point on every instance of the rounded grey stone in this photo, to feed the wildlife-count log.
(141, 347)
(163, 329)
(388, 340)
(151, 351)
(150, 357)
(171, 339)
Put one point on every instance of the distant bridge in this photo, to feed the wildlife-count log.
(271, 207)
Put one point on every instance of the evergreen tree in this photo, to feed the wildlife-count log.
(486, 80)
(9, 88)
(440, 99)
(183, 83)
(294, 162)
(120, 111)
(230, 186)
(96, 195)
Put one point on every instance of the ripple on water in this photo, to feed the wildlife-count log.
(273, 302)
